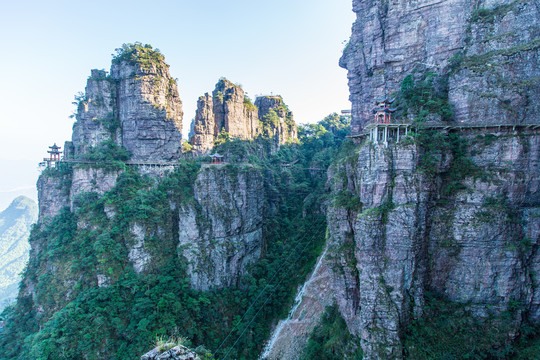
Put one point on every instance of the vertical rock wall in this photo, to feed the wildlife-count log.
(473, 240)
(96, 113)
(53, 195)
(488, 49)
(220, 231)
(281, 128)
(478, 247)
(496, 75)
(229, 110)
(149, 110)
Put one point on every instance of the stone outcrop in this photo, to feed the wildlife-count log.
(91, 179)
(96, 113)
(496, 76)
(53, 195)
(149, 110)
(220, 232)
(275, 119)
(172, 352)
(138, 255)
(487, 50)
(407, 240)
(471, 238)
(230, 110)
(137, 106)
(58, 189)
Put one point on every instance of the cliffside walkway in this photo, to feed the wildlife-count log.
(449, 127)
(129, 163)
(146, 163)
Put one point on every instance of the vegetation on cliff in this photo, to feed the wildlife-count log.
(143, 55)
(90, 303)
(331, 339)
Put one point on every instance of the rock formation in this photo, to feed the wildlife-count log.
(96, 111)
(418, 230)
(221, 230)
(410, 238)
(170, 351)
(149, 109)
(488, 49)
(230, 110)
(466, 227)
(137, 107)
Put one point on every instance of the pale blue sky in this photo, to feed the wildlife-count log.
(287, 47)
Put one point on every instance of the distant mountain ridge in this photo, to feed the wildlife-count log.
(15, 225)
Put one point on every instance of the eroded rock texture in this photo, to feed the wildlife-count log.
(479, 246)
(472, 238)
(137, 107)
(91, 179)
(488, 49)
(170, 351)
(149, 110)
(220, 232)
(95, 113)
(53, 195)
(229, 110)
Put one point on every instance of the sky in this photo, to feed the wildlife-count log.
(285, 47)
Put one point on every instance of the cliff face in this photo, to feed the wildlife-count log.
(221, 230)
(96, 114)
(136, 107)
(229, 110)
(451, 215)
(487, 49)
(149, 110)
(409, 237)
(275, 119)
(125, 250)
(422, 229)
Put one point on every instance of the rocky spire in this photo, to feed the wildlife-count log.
(137, 107)
(149, 108)
(230, 110)
(96, 115)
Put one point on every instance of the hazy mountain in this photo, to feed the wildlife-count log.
(15, 224)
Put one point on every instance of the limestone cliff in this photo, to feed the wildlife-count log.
(134, 113)
(487, 50)
(411, 236)
(149, 108)
(95, 116)
(136, 107)
(445, 213)
(135, 242)
(229, 110)
(221, 230)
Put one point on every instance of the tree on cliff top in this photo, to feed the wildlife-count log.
(137, 53)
